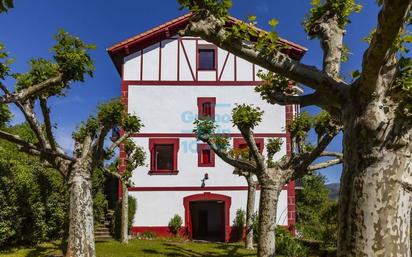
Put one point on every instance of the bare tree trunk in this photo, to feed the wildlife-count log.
(81, 227)
(267, 220)
(124, 233)
(250, 209)
(375, 194)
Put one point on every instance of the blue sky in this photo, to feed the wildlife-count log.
(27, 32)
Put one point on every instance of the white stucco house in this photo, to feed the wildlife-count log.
(168, 80)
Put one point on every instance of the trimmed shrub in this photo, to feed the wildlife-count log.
(175, 224)
(100, 204)
(117, 217)
(239, 223)
(147, 235)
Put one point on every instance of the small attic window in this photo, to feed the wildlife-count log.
(206, 57)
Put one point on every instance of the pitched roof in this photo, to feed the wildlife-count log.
(118, 51)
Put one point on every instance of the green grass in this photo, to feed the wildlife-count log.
(146, 248)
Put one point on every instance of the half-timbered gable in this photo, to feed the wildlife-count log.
(169, 81)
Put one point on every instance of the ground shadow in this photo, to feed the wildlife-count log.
(229, 251)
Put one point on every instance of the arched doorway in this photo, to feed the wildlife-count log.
(207, 216)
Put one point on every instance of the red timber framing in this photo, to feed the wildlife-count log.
(207, 196)
(239, 142)
(166, 33)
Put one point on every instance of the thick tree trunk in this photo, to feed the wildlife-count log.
(250, 209)
(81, 227)
(124, 233)
(375, 200)
(267, 220)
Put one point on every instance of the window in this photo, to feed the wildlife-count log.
(239, 143)
(163, 156)
(206, 57)
(205, 156)
(206, 107)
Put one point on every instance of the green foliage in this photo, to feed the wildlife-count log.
(288, 246)
(239, 223)
(147, 235)
(323, 9)
(272, 84)
(272, 147)
(316, 213)
(217, 8)
(117, 217)
(109, 114)
(71, 60)
(100, 204)
(403, 82)
(72, 56)
(33, 198)
(5, 5)
(175, 224)
(246, 116)
(5, 61)
(204, 128)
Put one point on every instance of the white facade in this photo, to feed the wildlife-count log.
(161, 83)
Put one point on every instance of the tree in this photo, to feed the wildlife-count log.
(272, 175)
(250, 205)
(5, 5)
(135, 157)
(374, 109)
(316, 214)
(47, 79)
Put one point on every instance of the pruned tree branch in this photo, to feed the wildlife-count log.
(382, 48)
(304, 160)
(31, 148)
(214, 31)
(114, 174)
(331, 38)
(254, 150)
(332, 154)
(47, 122)
(237, 163)
(302, 100)
(118, 142)
(30, 91)
(323, 165)
(28, 110)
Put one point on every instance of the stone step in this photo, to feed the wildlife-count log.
(103, 238)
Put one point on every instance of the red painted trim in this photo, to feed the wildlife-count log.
(203, 100)
(141, 65)
(160, 60)
(192, 188)
(187, 60)
(235, 67)
(200, 149)
(224, 66)
(240, 141)
(181, 135)
(207, 196)
(160, 231)
(289, 115)
(156, 141)
(171, 28)
(178, 60)
(190, 83)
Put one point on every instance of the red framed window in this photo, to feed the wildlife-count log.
(163, 155)
(206, 107)
(240, 143)
(205, 156)
(206, 57)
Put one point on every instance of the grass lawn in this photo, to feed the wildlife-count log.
(149, 248)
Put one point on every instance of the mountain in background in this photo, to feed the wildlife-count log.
(333, 190)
